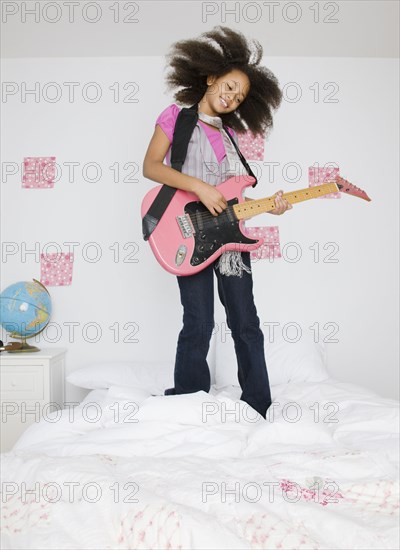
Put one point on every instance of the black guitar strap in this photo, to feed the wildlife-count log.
(184, 127)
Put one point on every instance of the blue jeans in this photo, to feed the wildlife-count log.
(191, 372)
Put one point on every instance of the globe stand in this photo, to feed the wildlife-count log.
(21, 347)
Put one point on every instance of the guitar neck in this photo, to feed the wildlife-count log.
(248, 209)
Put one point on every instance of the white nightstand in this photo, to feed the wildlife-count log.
(29, 383)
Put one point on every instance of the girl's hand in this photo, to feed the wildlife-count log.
(211, 198)
(281, 204)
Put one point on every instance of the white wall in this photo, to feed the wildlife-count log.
(359, 133)
(105, 28)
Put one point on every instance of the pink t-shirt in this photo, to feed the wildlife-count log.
(167, 119)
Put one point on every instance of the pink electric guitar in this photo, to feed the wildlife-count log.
(188, 237)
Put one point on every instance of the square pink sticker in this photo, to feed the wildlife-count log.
(56, 269)
(38, 172)
(318, 176)
(251, 146)
(270, 249)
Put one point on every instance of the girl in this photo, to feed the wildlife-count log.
(229, 87)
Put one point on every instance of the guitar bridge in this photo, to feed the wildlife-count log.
(185, 225)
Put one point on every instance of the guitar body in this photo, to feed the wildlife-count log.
(188, 237)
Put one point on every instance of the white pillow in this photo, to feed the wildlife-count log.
(153, 377)
(122, 393)
(302, 361)
(94, 396)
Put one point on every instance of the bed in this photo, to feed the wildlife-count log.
(130, 468)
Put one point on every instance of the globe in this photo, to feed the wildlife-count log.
(25, 310)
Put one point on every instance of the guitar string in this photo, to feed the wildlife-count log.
(207, 216)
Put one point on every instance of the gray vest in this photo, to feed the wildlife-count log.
(201, 161)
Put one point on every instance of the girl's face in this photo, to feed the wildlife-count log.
(225, 93)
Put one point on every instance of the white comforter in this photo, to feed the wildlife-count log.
(181, 472)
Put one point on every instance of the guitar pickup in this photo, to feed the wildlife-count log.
(185, 225)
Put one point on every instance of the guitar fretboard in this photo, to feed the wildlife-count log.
(251, 208)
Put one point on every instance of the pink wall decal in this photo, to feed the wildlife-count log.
(38, 172)
(317, 176)
(251, 146)
(271, 247)
(56, 269)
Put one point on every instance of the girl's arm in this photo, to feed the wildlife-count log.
(155, 170)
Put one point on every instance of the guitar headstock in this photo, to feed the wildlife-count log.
(345, 186)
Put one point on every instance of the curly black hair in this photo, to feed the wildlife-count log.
(192, 60)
